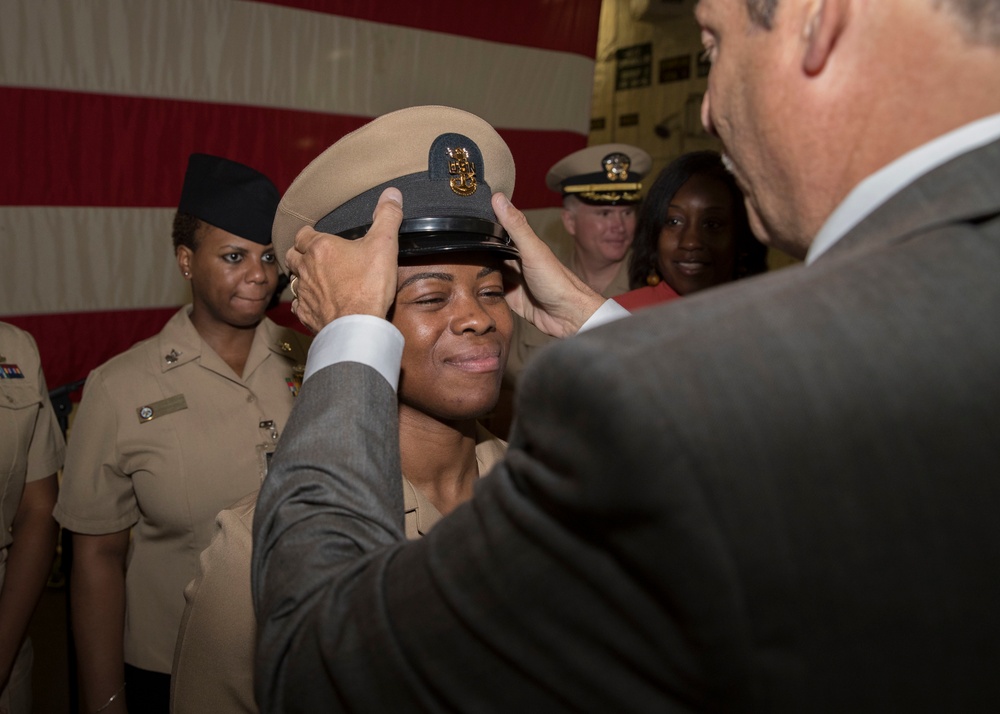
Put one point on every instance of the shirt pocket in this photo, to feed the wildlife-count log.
(19, 396)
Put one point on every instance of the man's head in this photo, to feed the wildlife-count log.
(601, 233)
(601, 186)
(809, 97)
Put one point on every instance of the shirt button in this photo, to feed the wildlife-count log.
(251, 398)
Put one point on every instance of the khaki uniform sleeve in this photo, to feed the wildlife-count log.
(213, 660)
(48, 448)
(96, 495)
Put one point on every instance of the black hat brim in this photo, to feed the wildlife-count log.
(445, 234)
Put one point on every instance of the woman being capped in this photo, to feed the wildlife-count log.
(456, 327)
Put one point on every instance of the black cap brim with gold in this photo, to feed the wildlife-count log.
(446, 162)
(229, 195)
(603, 175)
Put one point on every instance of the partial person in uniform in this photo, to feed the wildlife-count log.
(601, 188)
(777, 495)
(171, 432)
(692, 233)
(31, 452)
(450, 311)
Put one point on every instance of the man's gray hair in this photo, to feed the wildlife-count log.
(762, 12)
(980, 19)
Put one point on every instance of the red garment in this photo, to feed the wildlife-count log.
(644, 297)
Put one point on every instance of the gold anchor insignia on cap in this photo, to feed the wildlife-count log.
(464, 171)
(616, 166)
(172, 356)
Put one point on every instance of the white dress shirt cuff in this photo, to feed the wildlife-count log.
(608, 312)
(366, 339)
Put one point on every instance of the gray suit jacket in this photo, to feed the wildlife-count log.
(790, 504)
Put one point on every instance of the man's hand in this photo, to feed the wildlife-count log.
(335, 277)
(548, 294)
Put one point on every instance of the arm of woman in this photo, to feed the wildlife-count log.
(213, 661)
(97, 605)
(28, 564)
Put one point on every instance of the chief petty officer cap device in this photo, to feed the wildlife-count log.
(446, 162)
(230, 196)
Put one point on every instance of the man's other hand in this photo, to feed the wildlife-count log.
(546, 293)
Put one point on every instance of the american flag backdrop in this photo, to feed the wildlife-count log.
(102, 101)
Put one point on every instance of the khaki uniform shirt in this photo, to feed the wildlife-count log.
(31, 448)
(213, 668)
(528, 339)
(31, 442)
(167, 435)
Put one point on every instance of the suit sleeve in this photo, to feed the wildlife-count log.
(328, 516)
(525, 594)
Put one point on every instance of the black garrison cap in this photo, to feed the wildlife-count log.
(230, 196)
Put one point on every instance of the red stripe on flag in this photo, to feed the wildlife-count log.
(560, 25)
(77, 149)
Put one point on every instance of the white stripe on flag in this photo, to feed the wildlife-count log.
(87, 259)
(267, 55)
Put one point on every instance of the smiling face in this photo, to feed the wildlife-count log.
(457, 330)
(232, 279)
(697, 244)
(602, 234)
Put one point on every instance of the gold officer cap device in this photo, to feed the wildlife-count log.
(605, 174)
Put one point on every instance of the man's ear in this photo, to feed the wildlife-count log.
(569, 221)
(825, 22)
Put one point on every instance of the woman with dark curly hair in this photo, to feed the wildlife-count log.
(692, 233)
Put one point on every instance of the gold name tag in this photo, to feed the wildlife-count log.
(158, 409)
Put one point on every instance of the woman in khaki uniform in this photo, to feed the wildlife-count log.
(455, 328)
(171, 432)
(31, 452)
(213, 666)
